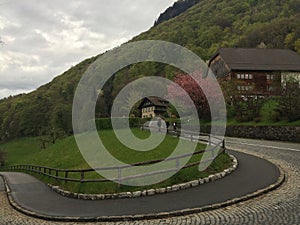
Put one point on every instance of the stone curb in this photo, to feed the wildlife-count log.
(148, 192)
(161, 215)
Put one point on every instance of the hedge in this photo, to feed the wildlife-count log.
(105, 123)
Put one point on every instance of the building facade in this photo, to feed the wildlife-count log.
(153, 107)
(254, 71)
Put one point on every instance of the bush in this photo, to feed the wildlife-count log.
(2, 157)
(105, 123)
(269, 110)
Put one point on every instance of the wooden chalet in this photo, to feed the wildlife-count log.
(153, 107)
(256, 71)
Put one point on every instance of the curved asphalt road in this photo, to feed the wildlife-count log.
(252, 174)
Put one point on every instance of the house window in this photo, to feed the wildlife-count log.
(246, 76)
(248, 88)
(245, 88)
(270, 77)
(270, 88)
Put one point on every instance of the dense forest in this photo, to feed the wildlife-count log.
(202, 28)
(175, 10)
(209, 25)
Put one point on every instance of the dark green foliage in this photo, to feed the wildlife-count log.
(266, 109)
(212, 24)
(289, 108)
(3, 157)
(269, 110)
(178, 7)
(247, 108)
(105, 123)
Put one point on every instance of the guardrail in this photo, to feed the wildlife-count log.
(80, 175)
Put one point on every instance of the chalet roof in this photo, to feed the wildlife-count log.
(260, 59)
(156, 101)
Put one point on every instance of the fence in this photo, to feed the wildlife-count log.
(80, 175)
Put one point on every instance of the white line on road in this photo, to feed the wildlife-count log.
(264, 146)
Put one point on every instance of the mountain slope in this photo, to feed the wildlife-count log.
(203, 28)
(175, 10)
(211, 24)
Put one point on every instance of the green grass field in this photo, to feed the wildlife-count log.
(64, 154)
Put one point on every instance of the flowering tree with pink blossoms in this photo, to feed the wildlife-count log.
(199, 88)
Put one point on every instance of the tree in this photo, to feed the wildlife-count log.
(196, 93)
(62, 119)
(290, 100)
(51, 137)
(3, 157)
(240, 106)
(297, 45)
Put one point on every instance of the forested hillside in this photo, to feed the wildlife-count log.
(176, 9)
(203, 28)
(211, 24)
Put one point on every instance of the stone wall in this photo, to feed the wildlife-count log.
(283, 133)
(280, 133)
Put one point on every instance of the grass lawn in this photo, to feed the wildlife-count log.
(64, 154)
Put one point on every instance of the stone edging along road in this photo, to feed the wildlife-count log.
(184, 211)
(148, 192)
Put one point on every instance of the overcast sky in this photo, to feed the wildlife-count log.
(44, 38)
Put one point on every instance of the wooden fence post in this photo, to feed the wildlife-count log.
(177, 164)
(82, 176)
(66, 176)
(119, 177)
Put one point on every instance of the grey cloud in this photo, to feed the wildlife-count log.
(55, 34)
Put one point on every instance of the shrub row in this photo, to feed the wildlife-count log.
(106, 123)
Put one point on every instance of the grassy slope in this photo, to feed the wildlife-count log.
(65, 154)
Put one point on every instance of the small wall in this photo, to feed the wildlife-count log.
(280, 133)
